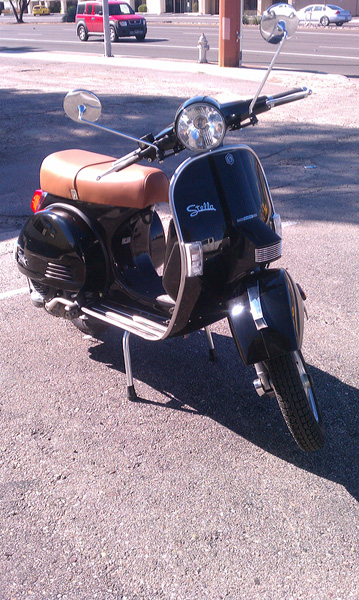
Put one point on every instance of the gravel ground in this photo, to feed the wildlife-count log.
(197, 490)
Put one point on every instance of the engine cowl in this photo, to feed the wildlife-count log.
(59, 250)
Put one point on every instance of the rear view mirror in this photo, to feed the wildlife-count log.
(278, 22)
(81, 105)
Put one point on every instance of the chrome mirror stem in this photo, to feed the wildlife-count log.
(284, 38)
(82, 110)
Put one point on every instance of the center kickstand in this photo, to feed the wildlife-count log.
(131, 393)
(212, 351)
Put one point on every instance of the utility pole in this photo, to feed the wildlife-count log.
(230, 33)
(106, 27)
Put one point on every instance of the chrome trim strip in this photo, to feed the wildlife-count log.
(269, 253)
(256, 307)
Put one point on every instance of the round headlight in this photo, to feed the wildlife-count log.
(200, 126)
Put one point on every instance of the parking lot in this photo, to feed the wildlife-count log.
(197, 490)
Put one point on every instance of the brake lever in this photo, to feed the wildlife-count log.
(122, 163)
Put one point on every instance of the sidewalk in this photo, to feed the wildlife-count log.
(172, 67)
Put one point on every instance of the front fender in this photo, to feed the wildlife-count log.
(267, 317)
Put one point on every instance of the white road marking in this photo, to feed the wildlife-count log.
(176, 47)
(6, 295)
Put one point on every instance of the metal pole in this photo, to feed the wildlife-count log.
(230, 28)
(240, 37)
(106, 28)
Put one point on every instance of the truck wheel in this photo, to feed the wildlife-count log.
(140, 37)
(294, 391)
(82, 33)
(113, 34)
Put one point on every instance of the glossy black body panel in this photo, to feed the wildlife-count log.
(59, 249)
(222, 199)
(283, 313)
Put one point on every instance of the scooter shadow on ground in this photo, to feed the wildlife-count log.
(180, 370)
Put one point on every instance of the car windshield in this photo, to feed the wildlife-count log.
(334, 7)
(120, 9)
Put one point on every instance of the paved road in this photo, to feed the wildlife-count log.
(196, 491)
(329, 50)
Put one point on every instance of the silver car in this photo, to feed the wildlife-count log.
(324, 14)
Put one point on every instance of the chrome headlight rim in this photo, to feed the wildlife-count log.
(200, 125)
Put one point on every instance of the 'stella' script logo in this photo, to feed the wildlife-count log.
(195, 209)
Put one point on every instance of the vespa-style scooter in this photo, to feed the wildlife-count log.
(95, 251)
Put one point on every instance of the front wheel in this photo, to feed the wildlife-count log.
(140, 37)
(113, 34)
(294, 391)
(324, 21)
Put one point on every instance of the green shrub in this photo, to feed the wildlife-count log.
(69, 17)
(195, 7)
(142, 8)
(245, 19)
(56, 7)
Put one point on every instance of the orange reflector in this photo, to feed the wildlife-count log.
(36, 200)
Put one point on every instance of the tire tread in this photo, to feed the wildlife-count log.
(293, 403)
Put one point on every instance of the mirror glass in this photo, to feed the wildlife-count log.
(82, 103)
(277, 20)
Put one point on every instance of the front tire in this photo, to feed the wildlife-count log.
(294, 391)
(324, 21)
(113, 34)
(140, 37)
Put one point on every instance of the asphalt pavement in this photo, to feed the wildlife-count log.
(197, 490)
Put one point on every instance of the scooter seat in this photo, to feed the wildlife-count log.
(73, 174)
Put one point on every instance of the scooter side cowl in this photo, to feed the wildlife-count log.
(58, 249)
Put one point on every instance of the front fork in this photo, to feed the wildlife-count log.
(262, 384)
(267, 320)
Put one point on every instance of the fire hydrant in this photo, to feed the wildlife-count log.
(202, 46)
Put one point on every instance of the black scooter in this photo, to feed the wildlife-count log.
(95, 250)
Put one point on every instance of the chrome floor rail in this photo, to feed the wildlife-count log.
(137, 324)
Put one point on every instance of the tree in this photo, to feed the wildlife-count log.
(19, 7)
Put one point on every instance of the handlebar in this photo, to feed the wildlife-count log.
(235, 113)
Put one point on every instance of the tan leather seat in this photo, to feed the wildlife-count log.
(72, 174)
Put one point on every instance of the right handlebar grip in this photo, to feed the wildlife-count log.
(287, 93)
(289, 96)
